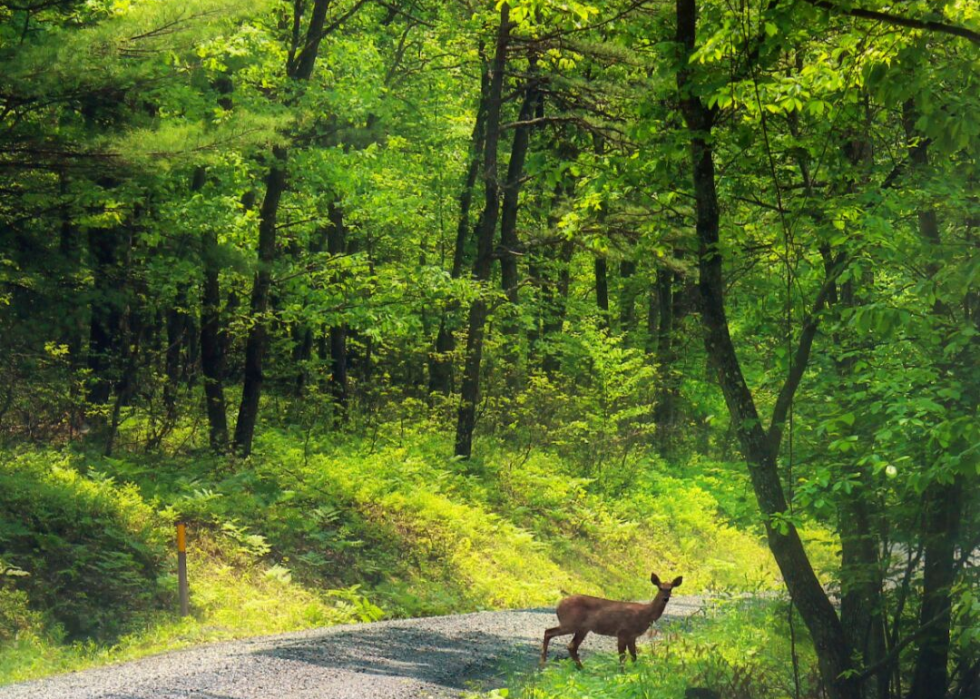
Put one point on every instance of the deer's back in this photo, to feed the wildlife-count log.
(605, 617)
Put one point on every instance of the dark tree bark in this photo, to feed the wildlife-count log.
(665, 412)
(653, 316)
(861, 602)
(303, 333)
(509, 243)
(299, 67)
(943, 507)
(73, 333)
(510, 246)
(248, 409)
(107, 306)
(440, 363)
(758, 446)
(556, 304)
(602, 291)
(337, 245)
(601, 265)
(213, 340)
(177, 332)
(470, 391)
(942, 502)
(627, 297)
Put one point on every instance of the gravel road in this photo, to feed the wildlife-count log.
(408, 658)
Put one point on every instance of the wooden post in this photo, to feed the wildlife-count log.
(182, 568)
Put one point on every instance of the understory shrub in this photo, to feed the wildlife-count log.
(92, 551)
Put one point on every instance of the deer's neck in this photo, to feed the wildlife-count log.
(657, 607)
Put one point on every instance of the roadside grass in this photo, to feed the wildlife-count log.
(740, 649)
(318, 530)
(232, 598)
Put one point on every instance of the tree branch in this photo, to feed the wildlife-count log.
(896, 651)
(801, 358)
(911, 22)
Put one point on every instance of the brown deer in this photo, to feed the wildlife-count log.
(580, 614)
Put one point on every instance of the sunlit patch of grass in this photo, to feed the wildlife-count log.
(741, 649)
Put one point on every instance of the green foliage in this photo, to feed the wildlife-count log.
(738, 649)
(94, 552)
(137, 140)
(334, 530)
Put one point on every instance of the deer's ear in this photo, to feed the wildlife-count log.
(655, 579)
(677, 581)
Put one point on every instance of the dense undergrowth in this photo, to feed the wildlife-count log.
(313, 531)
(739, 649)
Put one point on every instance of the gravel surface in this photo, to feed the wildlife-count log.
(433, 657)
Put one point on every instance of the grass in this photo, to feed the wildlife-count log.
(315, 531)
(740, 649)
(232, 598)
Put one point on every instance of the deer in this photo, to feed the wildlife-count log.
(581, 614)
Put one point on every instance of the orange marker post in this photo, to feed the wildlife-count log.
(182, 568)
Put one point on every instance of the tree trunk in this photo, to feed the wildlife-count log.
(941, 522)
(556, 306)
(441, 362)
(212, 340)
(470, 392)
(303, 333)
(337, 245)
(299, 66)
(627, 297)
(942, 502)
(758, 447)
(861, 606)
(653, 316)
(177, 330)
(106, 312)
(602, 291)
(248, 409)
(510, 245)
(664, 412)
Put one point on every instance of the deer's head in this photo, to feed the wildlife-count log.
(664, 589)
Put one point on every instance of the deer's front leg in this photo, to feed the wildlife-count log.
(623, 642)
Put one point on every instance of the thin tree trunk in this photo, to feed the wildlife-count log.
(653, 316)
(627, 297)
(861, 577)
(602, 291)
(441, 363)
(509, 243)
(470, 392)
(557, 308)
(337, 245)
(106, 312)
(248, 409)
(299, 66)
(942, 503)
(303, 333)
(212, 340)
(129, 338)
(667, 392)
(758, 447)
(177, 330)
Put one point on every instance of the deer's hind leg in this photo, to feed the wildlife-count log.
(548, 635)
(573, 646)
(631, 645)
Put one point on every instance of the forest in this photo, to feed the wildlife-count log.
(415, 307)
